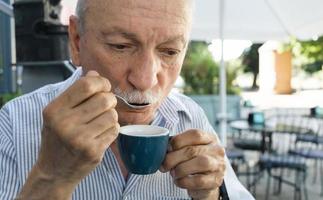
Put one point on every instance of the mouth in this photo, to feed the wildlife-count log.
(139, 104)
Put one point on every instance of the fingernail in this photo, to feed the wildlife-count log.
(172, 173)
(162, 169)
(92, 73)
(169, 147)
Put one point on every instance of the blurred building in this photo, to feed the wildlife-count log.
(5, 47)
(39, 43)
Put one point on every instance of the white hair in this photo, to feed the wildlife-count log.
(136, 96)
(81, 7)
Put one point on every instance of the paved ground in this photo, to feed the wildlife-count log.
(300, 99)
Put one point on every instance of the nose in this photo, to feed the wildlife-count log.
(143, 71)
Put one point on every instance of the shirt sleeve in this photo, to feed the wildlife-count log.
(235, 189)
(9, 184)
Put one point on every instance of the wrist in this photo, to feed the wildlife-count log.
(215, 194)
(40, 185)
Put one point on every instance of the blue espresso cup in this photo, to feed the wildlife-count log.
(143, 147)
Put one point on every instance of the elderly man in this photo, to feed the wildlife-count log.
(59, 141)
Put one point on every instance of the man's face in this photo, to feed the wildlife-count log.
(138, 45)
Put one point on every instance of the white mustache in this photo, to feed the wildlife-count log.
(138, 97)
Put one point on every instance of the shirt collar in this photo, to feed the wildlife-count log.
(171, 108)
(68, 82)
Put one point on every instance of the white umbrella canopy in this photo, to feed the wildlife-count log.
(255, 20)
(258, 20)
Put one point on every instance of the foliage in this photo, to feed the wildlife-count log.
(307, 54)
(4, 98)
(201, 73)
(1, 59)
(199, 70)
(232, 73)
(250, 61)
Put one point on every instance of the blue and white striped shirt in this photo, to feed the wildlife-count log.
(20, 135)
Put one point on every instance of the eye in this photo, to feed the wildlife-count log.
(119, 47)
(170, 52)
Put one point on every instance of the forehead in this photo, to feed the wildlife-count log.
(175, 8)
(163, 15)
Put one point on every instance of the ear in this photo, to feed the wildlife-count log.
(74, 40)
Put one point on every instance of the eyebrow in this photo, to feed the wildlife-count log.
(180, 38)
(119, 31)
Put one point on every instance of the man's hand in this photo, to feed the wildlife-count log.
(78, 127)
(196, 162)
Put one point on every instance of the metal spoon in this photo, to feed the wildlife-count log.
(134, 106)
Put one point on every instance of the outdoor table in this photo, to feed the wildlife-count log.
(266, 130)
(244, 125)
(314, 116)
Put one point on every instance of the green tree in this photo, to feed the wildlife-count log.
(4, 98)
(250, 62)
(307, 54)
(201, 73)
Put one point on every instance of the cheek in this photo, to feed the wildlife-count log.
(170, 75)
(96, 57)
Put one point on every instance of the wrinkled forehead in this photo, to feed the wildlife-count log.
(178, 10)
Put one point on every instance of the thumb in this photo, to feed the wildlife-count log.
(92, 73)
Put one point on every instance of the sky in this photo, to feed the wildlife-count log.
(68, 9)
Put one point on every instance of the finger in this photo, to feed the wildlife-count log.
(200, 181)
(201, 194)
(94, 106)
(92, 73)
(81, 90)
(174, 158)
(108, 136)
(189, 138)
(100, 124)
(199, 165)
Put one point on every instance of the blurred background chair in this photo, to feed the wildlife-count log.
(310, 146)
(248, 139)
(278, 162)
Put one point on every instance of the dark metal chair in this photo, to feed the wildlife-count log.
(278, 160)
(314, 154)
(246, 138)
(271, 162)
(310, 147)
(314, 137)
(238, 160)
